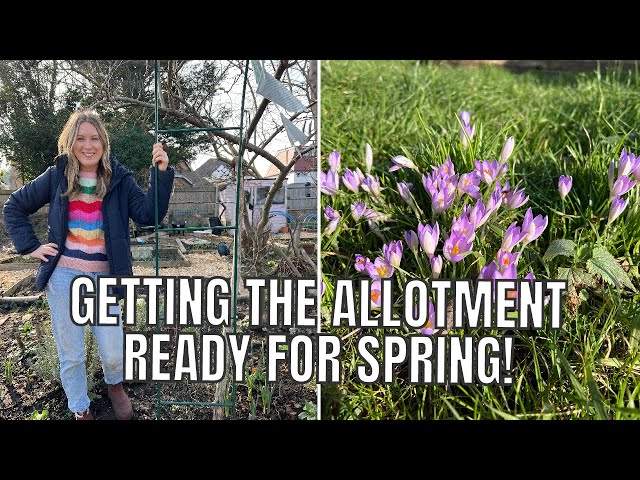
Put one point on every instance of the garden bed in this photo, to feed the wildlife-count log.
(144, 255)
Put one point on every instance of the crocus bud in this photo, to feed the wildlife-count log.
(411, 238)
(436, 266)
(564, 185)
(368, 158)
(507, 150)
(617, 207)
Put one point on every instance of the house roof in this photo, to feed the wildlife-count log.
(215, 170)
(303, 164)
(194, 179)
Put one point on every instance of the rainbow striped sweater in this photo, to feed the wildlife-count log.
(84, 247)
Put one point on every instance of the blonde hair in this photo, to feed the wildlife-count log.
(66, 142)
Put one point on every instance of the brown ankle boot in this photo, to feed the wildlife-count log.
(120, 402)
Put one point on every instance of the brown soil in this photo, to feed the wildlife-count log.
(24, 394)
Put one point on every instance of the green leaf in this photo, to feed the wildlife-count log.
(575, 276)
(503, 415)
(572, 377)
(605, 265)
(584, 252)
(598, 402)
(560, 246)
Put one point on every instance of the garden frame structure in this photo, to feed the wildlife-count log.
(231, 404)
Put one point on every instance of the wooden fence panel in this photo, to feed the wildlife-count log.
(302, 200)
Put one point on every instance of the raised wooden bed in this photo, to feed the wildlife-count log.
(144, 256)
(23, 264)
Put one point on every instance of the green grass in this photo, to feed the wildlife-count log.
(562, 124)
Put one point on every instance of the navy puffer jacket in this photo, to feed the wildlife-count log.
(124, 199)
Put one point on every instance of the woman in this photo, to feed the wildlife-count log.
(91, 197)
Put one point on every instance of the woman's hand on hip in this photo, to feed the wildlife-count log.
(43, 250)
(160, 157)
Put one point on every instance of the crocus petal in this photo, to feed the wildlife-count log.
(617, 207)
(507, 149)
(368, 158)
(334, 161)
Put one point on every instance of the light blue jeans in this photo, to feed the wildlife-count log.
(69, 339)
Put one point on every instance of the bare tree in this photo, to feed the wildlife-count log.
(194, 94)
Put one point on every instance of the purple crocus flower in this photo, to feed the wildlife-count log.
(514, 198)
(351, 180)
(441, 189)
(617, 207)
(507, 273)
(456, 247)
(361, 262)
(464, 227)
(494, 202)
(400, 161)
(511, 238)
(436, 265)
(429, 184)
(371, 185)
(329, 182)
(507, 150)
(429, 327)
(621, 186)
(468, 183)
(428, 237)
(357, 209)
(488, 271)
(532, 228)
(442, 200)
(466, 131)
(334, 217)
(506, 260)
(564, 185)
(492, 272)
(628, 163)
(382, 269)
(393, 252)
(447, 169)
(476, 214)
(489, 171)
(411, 238)
(334, 161)
(403, 190)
